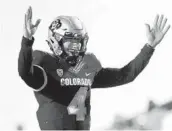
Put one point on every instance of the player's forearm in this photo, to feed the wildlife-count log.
(25, 57)
(135, 67)
(35, 76)
(110, 77)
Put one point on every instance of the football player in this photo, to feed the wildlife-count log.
(62, 81)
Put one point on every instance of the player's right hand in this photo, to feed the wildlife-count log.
(29, 27)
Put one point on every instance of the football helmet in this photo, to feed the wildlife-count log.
(67, 38)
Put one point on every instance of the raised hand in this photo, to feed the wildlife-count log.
(29, 28)
(157, 32)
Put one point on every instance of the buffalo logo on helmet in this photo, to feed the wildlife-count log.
(56, 24)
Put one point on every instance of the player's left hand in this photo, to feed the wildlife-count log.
(157, 32)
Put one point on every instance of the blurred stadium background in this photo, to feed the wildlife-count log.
(151, 119)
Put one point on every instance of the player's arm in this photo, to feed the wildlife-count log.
(29, 66)
(109, 77)
(33, 75)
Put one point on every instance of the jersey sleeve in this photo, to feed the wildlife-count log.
(93, 62)
(110, 77)
(30, 66)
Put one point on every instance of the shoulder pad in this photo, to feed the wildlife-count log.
(46, 60)
(151, 105)
(92, 61)
(38, 57)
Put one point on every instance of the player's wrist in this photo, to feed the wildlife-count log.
(151, 44)
(28, 37)
(27, 42)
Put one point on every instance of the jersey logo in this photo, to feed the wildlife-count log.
(75, 82)
(59, 72)
(87, 74)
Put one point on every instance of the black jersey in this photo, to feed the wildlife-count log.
(61, 89)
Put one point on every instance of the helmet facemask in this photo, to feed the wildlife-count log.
(67, 43)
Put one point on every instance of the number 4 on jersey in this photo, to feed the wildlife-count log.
(77, 105)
